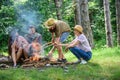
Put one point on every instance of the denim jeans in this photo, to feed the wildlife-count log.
(81, 53)
(64, 36)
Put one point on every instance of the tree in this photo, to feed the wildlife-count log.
(77, 12)
(58, 4)
(118, 20)
(82, 18)
(108, 28)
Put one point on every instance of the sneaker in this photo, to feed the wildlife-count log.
(64, 60)
(77, 62)
(14, 66)
(83, 62)
(46, 58)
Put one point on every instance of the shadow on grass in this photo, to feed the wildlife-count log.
(94, 64)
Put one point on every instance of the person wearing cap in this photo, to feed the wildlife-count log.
(79, 46)
(60, 31)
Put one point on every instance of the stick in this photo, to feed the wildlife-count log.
(47, 45)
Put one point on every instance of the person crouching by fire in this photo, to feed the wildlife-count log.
(60, 31)
(79, 46)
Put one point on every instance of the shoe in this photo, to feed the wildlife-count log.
(59, 60)
(14, 66)
(46, 58)
(64, 60)
(77, 62)
(83, 62)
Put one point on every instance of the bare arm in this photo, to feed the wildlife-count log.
(65, 44)
(53, 37)
(73, 44)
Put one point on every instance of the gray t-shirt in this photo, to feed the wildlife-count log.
(32, 37)
(84, 44)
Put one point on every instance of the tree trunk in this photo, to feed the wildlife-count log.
(58, 4)
(118, 21)
(108, 28)
(77, 12)
(85, 21)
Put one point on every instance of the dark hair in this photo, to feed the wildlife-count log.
(13, 35)
(52, 30)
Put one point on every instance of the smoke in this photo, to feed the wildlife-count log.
(27, 16)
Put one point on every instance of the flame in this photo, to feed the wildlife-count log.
(36, 53)
(35, 57)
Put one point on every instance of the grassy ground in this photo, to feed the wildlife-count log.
(104, 65)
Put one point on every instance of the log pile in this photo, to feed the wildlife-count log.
(5, 62)
(43, 62)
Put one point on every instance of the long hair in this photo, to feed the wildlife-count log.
(11, 39)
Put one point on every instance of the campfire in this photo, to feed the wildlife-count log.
(32, 62)
(36, 61)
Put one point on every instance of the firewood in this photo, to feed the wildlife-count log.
(5, 60)
(54, 62)
(27, 65)
(3, 66)
(69, 63)
(39, 65)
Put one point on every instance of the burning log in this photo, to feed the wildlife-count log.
(28, 63)
(37, 65)
(43, 62)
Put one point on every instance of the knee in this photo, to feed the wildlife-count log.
(71, 49)
(12, 46)
(20, 49)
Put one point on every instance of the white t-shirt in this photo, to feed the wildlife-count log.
(84, 44)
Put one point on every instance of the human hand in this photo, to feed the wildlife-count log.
(56, 44)
(66, 49)
(52, 40)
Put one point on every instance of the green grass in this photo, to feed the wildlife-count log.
(104, 65)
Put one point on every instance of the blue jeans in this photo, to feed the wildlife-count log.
(80, 53)
(64, 36)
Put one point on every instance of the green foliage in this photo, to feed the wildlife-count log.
(96, 12)
(97, 20)
(7, 19)
(10, 11)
